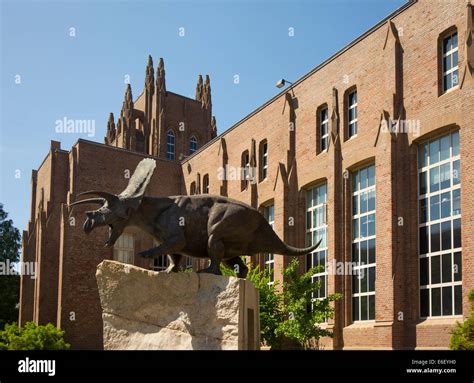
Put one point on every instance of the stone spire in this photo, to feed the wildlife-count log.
(206, 93)
(127, 107)
(160, 76)
(213, 127)
(110, 137)
(150, 75)
(199, 89)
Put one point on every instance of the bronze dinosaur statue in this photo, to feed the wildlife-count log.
(202, 226)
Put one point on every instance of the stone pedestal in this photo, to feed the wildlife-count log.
(147, 310)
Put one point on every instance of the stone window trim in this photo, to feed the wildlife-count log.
(205, 184)
(193, 144)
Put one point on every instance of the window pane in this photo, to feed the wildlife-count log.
(424, 302)
(363, 252)
(371, 278)
(436, 301)
(371, 202)
(446, 268)
(355, 228)
(423, 183)
(457, 202)
(363, 202)
(455, 139)
(434, 152)
(457, 233)
(363, 227)
(355, 308)
(435, 270)
(434, 179)
(355, 207)
(371, 307)
(363, 178)
(355, 284)
(457, 267)
(445, 205)
(445, 176)
(446, 63)
(355, 181)
(456, 173)
(372, 175)
(355, 252)
(444, 147)
(455, 78)
(422, 156)
(372, 251)
(363, 308)
(448, 84)
(424, 271)
(364, 280)
(371, 224)
(435, 237)
(446, 235)
(423, 211)
(447, 300)
(457, 300)
(424, 240)
(434, 208)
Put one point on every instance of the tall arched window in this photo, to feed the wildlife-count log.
(193, 144)
(170, 144)
(205, 184)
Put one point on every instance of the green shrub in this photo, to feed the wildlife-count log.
(32, 337)
(285, 314)
(462, 336)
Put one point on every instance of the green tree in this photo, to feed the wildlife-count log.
(462, 336)
(303, 314)
(285, 314)
(32, 337)
(9, 254)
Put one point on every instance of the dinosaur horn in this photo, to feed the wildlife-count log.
(100, 201)
(107, 196)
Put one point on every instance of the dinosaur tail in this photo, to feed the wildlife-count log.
(295, 251)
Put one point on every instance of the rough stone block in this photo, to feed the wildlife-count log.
(148, 310)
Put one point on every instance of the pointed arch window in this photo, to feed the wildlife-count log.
(193, 144)
(170, 145)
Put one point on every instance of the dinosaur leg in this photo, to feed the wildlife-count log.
(171, 246)
(215, 250)
(238, 266)
(174, 263)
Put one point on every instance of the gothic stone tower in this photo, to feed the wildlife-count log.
(162, 123)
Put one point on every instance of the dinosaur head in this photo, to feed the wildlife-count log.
(117, 211)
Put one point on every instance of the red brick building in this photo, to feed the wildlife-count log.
(371, 151)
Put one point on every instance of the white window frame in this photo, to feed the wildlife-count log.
(426, 168)
(170, 145)
(313, 209)
(324, 123)
(269, 258)
(349, 108)
(124, 249)
(359, 240)
(453, 69)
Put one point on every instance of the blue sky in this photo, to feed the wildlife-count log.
(83, 77)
